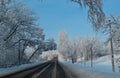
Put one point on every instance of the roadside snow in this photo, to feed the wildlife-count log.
(75, 71)
(101, 68)
(102, 63)
(49, 55)
(5, 71)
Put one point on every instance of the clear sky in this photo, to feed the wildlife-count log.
(58, 15)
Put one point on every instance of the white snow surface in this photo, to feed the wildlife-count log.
(5, 71)
(102, 63)
(49, 55)
(101, 68)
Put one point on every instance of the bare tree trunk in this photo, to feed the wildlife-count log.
(32, 54)
(19, 54)
(81, 57)
(72, 60)
(84, 62)
(22, 51)
(91, 57)
(11, 33)
(119, 68)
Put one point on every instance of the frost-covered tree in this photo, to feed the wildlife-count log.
(100, 49)
(95, 12)
(63, 44)
(90, 42)
(50, 44)
(80, 48)
(20, 30)
(5, 10)
(72, 50)
(40, 44)
(89, 48)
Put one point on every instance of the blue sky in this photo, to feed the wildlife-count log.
(59, 15)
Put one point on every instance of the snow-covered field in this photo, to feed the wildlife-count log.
(102, 63)
(101, 68)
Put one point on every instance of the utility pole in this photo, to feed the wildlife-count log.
(111, 48)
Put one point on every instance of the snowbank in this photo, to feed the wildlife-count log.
(102, 63)
(101, 68)
(5, 71)
(75, 71)
(49, 55)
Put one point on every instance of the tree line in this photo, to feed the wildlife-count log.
(81, 49)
